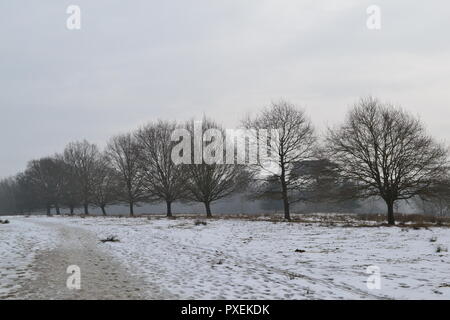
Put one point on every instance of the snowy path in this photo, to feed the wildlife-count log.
(101, 276)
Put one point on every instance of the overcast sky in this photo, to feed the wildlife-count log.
(136, 61)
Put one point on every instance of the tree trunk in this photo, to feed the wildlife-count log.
(86, 209)
(284, 194)
(390, 206)
(131, 208)
(103, 210)
(169, 208)
(208, 210)
(49, 210)
(287, 214)
(58, 212)
(71, 210)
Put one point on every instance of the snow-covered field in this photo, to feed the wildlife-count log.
(239, 259)
(19, 243)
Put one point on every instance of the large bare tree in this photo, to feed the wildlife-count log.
(207, 181)
(123, 154)
(291, 141)
(82, 158)
(163, 178)
(387, 152)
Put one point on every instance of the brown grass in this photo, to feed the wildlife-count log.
(415, 221)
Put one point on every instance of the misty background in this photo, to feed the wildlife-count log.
(137, 61)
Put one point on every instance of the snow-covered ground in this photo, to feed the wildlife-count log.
(19, 243)
(239, 259)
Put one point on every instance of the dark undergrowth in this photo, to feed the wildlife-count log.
(414, 221)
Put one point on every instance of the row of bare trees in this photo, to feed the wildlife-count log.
(134, 168)
(380, 150)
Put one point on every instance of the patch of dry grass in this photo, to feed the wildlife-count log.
(414, 221)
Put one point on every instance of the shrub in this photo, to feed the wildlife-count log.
(110, 239)
(199, 222)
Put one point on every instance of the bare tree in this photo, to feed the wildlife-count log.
(163, 178)
(292, 140)
(207, 181)
(321, 188)
(387, 152)
(72, 195)
(82, 158)
(26, 198)
(123, 154)
(8, 196)
(437, 198)
(106, 185)
(47, 181)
